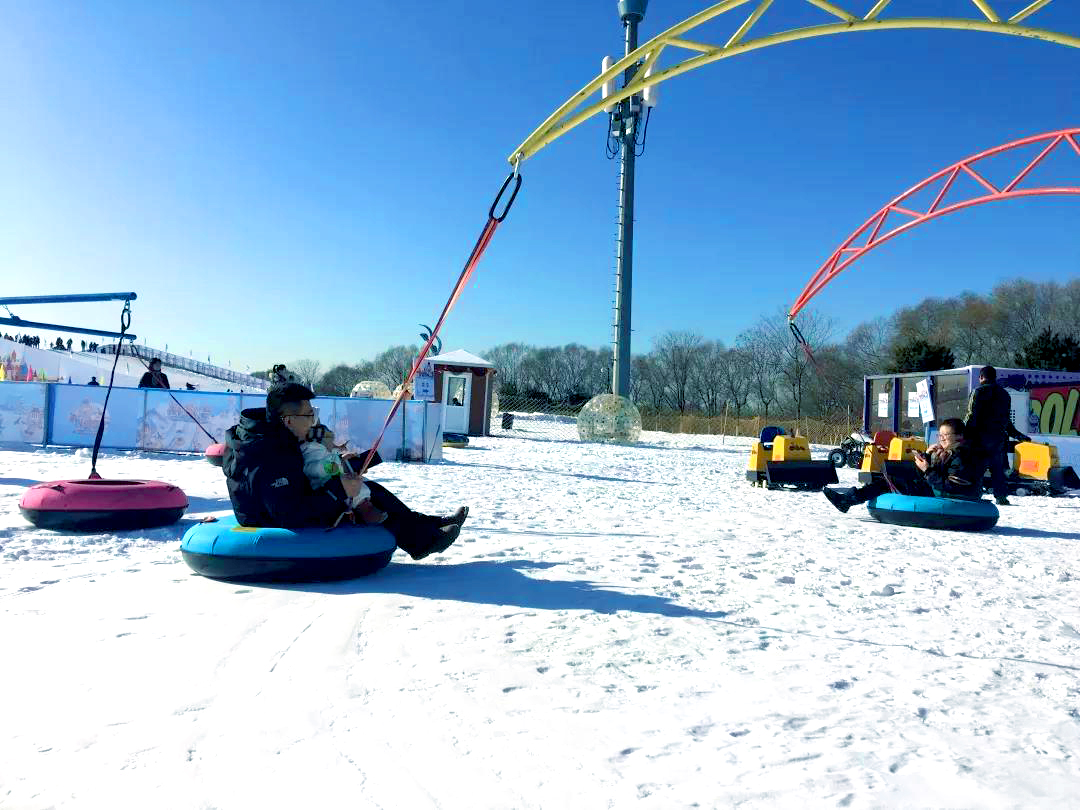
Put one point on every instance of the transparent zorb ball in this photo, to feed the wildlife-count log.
(609, 418)
(370, 389)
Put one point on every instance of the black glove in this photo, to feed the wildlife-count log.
(1023, 438)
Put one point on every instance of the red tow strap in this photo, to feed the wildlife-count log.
(493, 222)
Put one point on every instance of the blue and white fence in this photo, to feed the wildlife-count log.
(148, 419)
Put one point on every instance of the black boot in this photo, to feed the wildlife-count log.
(419, 538)
(840, 498)
(455, 519)
(444, 538)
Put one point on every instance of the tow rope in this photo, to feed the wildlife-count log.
(493, 222)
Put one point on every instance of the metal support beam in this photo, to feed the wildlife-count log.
(67, 299)
(22, 323)
(627, 121)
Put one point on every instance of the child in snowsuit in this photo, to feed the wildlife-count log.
(323, 461)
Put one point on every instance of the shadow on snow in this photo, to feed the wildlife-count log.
(505, 583)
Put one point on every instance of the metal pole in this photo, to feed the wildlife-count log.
(631, 13)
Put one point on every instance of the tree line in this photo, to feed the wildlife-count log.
(765, 372)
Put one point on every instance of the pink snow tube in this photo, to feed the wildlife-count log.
(101, 504)
(215, 454)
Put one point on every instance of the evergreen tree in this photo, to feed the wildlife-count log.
(1051, 352)
(918, 355)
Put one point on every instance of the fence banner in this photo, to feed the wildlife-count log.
(358, 420)
(76, 412)
(252, 401)
(149, 419)
(22, 412)
(433, 430)
(165, 425)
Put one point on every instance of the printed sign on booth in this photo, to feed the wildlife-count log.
(424, 382)
(926, 404)
(883, 404)
(1055, 409)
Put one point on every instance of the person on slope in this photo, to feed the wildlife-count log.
(155, 377)
(946, 469)
(264, 468)
(989, 426)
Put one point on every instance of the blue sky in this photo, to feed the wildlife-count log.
(281, 180)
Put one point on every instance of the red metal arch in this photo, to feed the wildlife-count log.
(848, 252)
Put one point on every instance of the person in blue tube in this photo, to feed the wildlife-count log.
(947, 470)
(264, 469)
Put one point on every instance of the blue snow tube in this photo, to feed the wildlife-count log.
(934, 513)
(223, 549)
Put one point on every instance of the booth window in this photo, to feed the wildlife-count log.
(950, 396)
(909, 425)
(457, 391)
(882, 385)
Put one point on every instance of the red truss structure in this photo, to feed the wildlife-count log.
(873, 233)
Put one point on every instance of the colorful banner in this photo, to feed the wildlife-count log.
(22, 412)
(165, 425)
(77, 412)
(1055, 409)
(149, 419)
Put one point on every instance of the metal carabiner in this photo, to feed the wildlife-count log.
(125, 317)
(797, 333)
(514, 175)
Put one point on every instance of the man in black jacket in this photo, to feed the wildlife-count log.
(946, 469)
(264, 469)
(989, 426)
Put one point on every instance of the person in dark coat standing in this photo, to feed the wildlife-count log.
(264, 469)
(989, 427)
(155, 377)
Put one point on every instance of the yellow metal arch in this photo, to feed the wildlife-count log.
(575, 111)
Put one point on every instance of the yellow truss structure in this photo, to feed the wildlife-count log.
(574, 111)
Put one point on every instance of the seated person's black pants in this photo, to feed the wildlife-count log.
(905, 485)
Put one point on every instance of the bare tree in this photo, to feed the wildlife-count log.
(393, 365)
(736, 378)
(647, 385)
(930, 320)
(598, 374)
(507, 359)
(541, 371)
(869, 344)
(707, 378)
(339, 381)
(1024, 309)
(834, 388)
(307, 371)
(762, 365)
(1066, 310)
(675, 354)
(575, 362)
(791, 360)
(974, 334)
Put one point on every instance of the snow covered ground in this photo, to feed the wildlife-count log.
(617, 627)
